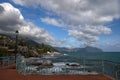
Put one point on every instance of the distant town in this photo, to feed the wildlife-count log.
(24, 46)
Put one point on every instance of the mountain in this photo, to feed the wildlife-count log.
(90, 49)
(85, 49)
(31, 43)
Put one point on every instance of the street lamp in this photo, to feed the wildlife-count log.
(16, 44)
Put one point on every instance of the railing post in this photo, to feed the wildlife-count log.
(103, 69)
(116, 72)
(84, 64)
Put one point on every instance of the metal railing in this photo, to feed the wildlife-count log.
(6, 61)
(112, 69)
(21, 65)
(103, 67)
(86, 66)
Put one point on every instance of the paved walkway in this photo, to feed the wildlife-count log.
(11, 74)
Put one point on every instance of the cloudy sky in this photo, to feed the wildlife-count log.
(64, 23)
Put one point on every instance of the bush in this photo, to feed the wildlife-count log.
(3, 52)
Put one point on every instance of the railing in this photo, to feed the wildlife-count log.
(104, 67)
(112, 69)
(21, 65)
(87, 66)
(7, 61)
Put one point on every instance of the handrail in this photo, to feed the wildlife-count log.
(101, 66)
(6, 60)
(112, 61)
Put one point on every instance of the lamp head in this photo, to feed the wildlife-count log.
(16, 31)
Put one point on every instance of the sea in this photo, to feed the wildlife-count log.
(60, 63)
(111, 64)
(110, 56)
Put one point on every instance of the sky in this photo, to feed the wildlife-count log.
(64, 23)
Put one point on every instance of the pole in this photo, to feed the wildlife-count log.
(103, 69)
(16, 45)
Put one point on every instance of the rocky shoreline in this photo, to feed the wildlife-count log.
(42, 62)
(38, 62)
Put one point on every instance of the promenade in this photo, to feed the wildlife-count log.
(12, 74)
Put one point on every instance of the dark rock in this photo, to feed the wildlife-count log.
(72, 64)
(47, 63)
(38, 62)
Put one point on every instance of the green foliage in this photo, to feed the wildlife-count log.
(43, 49)
(3, 52)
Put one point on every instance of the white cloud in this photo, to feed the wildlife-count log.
(52, 21)
(70, 42)
(88, 34)
(115, 47)
(10, 17)
(11, 20)
(84, 19)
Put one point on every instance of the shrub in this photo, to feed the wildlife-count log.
(3, 52)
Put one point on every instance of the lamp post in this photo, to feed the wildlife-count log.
(16, 44)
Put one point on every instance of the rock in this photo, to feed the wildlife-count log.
(72, 64)
(67, 64)
(38, 62)
(47, 63)
(53, 53)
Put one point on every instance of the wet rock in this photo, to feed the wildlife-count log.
(47, 63)
(72, 64)
(38, 62)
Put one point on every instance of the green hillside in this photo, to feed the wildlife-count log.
(25, 46)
